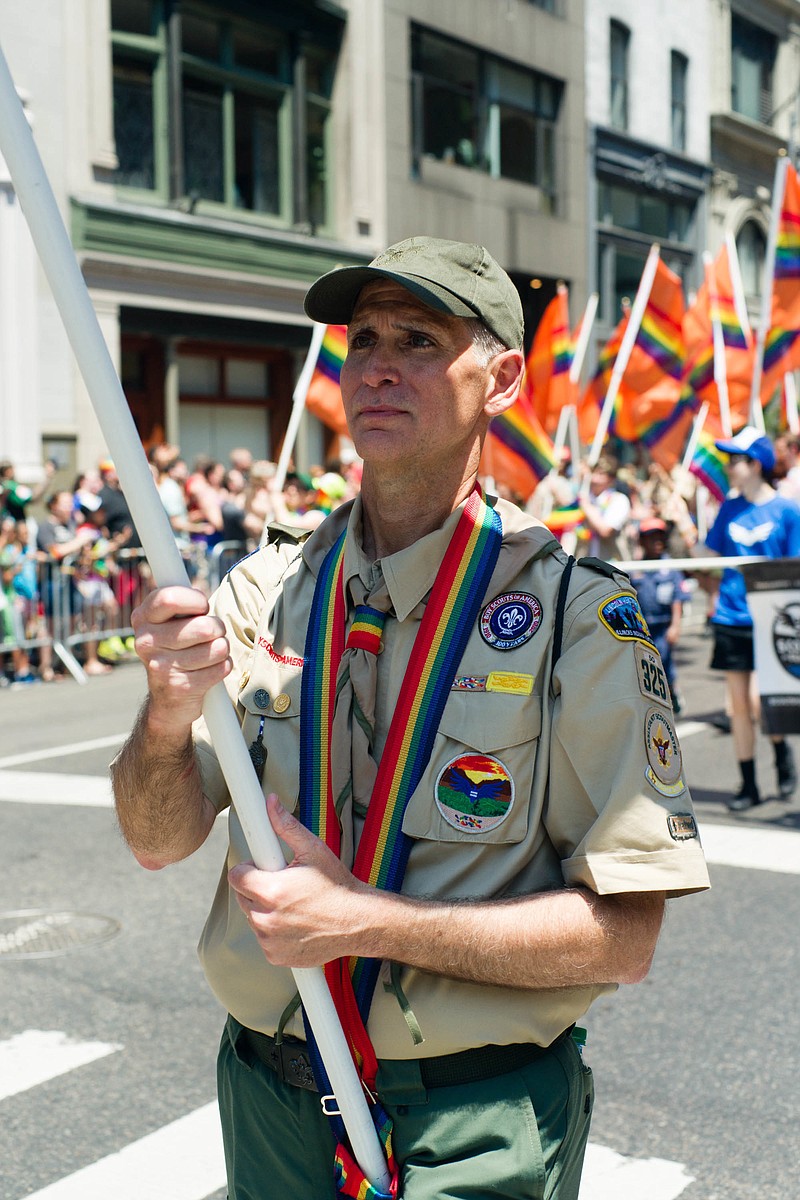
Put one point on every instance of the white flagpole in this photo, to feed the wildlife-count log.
(694, 437)
(299, 403)
(720, 360)
(83, 330)
(790, 388)
(739, 302)
(584, 333)
(632, 329)
(765, 315)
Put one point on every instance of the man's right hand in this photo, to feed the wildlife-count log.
(185, 651)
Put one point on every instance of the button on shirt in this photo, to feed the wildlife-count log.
(577, 805)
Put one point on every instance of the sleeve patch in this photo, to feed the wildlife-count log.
(623, 618)
(682, 827)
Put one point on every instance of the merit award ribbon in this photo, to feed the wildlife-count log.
(383, 850)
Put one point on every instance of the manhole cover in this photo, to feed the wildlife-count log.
(34, 933)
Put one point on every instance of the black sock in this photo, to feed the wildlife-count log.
(748, 769)
(781, 753)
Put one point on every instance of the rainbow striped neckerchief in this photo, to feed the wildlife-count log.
(383, 849)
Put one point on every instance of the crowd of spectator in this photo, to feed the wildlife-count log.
(72, 576)
(81, 563)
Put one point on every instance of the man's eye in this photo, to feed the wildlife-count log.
(419, 339)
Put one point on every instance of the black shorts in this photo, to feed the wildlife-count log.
(733, 648)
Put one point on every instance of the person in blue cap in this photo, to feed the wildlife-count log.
(753, 520)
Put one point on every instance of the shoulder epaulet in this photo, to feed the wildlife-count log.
(602, 567)
(281, 535)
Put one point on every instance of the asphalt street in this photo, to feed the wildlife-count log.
(694, 1067)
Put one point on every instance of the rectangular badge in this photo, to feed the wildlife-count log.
(512, 683)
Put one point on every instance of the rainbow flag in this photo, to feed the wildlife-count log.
(658, 353)
(324, 397)
(782, 347)
(715, 300)
(710, 465)
(596, 389)
(565, 519)
(518, 451)
(547, 384)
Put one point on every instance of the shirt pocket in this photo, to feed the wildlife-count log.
(273, 696)
(477, 785)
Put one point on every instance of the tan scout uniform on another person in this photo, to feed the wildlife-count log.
(590, 803)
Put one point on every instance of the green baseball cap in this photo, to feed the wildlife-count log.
(459, 278)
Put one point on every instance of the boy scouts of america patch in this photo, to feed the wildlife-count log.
(474, 793)
(663, 754)
(510, 620)
(623, 617)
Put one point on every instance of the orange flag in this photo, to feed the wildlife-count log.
(782, 347)
(658, 349)
(547, 382)
(715, 300)
(595, 391)
(324, 397)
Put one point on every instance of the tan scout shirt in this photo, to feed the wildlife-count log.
(586, 800)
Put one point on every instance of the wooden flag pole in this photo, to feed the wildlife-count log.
(105, 391)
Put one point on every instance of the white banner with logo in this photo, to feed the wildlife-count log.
(773, 597)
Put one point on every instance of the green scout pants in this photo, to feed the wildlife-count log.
(519, 1136)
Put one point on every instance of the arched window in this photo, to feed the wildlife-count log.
(751, 247)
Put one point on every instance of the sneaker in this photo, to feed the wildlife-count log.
(787, 774)
(745, 798)
(28, 677)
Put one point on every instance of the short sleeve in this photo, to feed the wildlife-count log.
(618, 810)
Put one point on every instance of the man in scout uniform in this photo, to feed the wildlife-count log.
(468, 752)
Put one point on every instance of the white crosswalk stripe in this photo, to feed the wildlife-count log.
(184, 1160)
(37, 1055)
(181, 1161)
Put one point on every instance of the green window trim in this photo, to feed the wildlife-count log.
(206, 156)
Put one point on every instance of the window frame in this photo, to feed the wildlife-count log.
(489, 109)
(173, 70)
(619, 84)
(679, 70)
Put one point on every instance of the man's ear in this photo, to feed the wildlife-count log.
(505, 378)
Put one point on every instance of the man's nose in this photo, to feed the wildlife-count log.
(380, 366)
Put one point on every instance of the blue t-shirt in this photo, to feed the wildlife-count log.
(771, 530)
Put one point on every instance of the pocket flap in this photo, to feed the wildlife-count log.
(490, 721)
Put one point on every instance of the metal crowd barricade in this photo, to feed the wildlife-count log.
(77, 601)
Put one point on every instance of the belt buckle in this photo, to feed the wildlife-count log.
(294, 1066)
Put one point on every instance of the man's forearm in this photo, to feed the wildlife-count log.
(565, 938)
(162, 811)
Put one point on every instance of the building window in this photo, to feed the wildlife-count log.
(483, 112)
(753, 53)
(679, 70)
(629, 220)
(751, 250)
(215, 110)
(620, 37)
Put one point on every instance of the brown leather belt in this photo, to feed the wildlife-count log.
(290, 1061)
